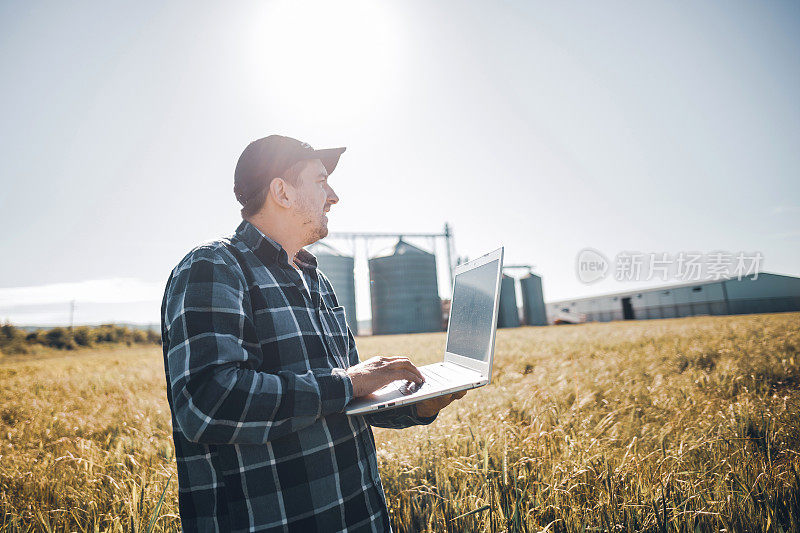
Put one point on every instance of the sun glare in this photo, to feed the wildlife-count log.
(339, 58)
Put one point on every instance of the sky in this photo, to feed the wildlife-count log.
(547, 127)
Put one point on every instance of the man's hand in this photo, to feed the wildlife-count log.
(428, 408)
(374, 373)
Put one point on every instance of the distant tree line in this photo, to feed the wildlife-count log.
(14, 340)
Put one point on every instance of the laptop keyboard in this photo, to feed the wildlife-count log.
(433, 381)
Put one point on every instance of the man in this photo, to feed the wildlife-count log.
(260, 365)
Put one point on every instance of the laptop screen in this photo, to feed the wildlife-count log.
(471, 311)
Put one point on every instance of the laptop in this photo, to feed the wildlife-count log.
(469, 350)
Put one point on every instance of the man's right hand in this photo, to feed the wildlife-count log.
(374, 373)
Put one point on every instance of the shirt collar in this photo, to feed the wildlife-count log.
(270, 251)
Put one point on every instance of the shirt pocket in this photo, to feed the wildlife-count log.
(336, 333)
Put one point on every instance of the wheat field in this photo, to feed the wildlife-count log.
(686, 424)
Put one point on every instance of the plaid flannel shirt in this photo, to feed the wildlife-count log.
(257, 387)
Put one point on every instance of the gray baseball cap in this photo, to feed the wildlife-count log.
(269, 157)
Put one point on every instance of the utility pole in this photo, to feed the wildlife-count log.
(71, 314)
(448, 240)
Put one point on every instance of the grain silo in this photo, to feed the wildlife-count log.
(533, 300)
(339, 269)
(508, 315)
(404, 291)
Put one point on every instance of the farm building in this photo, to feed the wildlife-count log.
(761, 293)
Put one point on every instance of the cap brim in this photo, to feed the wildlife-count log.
(328, 156)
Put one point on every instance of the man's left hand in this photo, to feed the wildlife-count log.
(428, 408)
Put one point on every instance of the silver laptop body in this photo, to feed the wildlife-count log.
(469, 351)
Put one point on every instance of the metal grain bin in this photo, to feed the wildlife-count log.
(508, 315)
(404, 291)
(339, 269)
(533, 300)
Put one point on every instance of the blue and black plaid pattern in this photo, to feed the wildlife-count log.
(256, 383)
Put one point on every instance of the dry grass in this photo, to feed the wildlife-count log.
(683, 424)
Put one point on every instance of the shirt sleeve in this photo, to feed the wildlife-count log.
(212, 355)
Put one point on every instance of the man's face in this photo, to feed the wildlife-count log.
(314, 198)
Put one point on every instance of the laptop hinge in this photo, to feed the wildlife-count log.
(463, 367)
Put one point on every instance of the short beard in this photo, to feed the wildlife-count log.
(320, 233)
(315, 228)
